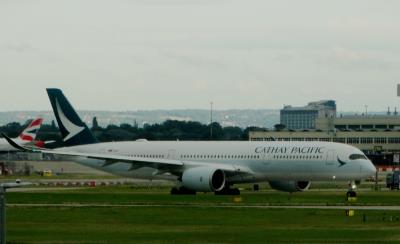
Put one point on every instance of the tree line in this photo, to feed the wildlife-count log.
(168, 130)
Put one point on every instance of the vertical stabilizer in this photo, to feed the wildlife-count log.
(73, 130)
(30, 132)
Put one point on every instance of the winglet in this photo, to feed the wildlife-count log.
(14, 144)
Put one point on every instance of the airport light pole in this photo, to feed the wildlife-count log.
(211, 120)
(3, 188)
(2, 215)
(398, 90)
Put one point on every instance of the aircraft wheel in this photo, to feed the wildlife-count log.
(228, 192)
(351, 196)
(182, 191)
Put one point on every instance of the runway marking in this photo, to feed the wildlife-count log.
(81, 205)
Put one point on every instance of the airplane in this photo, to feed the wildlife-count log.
(208, 166)
(27, 137)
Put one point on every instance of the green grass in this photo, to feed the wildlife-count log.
(197, 225)
(197, 220)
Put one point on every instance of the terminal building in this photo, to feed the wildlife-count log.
(378, 136)
(296, 118)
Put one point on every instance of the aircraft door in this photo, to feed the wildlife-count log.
(172, 154)
(266, 158)
(330, 157)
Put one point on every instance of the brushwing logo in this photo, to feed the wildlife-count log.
(72, 129)
(342, 163)
(30, 132)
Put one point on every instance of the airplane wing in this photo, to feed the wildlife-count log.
(112, 158)
(172, 165)
(108, 158)
(136, 162)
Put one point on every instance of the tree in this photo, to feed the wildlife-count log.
(95, 124)
(217, 132)
(232, 133)
(279, 127)
(168, 130)
(53, 125)
(12, 129)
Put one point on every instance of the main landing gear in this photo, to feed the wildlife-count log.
(225, 191)
(182, 191)
(228, 191)
(351, 195)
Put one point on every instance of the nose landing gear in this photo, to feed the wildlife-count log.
(351, 195)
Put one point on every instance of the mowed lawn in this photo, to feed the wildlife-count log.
(197, 225)
(203, 218)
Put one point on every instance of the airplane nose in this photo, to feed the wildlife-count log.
(369, 168)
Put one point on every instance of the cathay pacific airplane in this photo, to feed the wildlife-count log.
(27, 137)
(208, 166)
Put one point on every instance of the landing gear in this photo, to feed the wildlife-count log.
(351, 195)
(228, 191)
(182, 191)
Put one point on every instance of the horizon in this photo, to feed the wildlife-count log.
(392, 109)
(266, 118)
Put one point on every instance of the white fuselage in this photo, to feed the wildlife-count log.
(262, 161)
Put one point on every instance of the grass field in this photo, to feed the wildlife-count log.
(196, 225)
(196, 219)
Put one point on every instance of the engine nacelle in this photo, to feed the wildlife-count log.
(290, 186)
(204, 179)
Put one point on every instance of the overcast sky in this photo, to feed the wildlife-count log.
(168, 54)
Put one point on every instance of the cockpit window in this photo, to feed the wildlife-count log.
(357, 156)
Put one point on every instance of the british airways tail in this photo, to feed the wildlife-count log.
(30, 132)
(73, 130)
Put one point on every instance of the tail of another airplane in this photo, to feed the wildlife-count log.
(29, 134)
(73, 130)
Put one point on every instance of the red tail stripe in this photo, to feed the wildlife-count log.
(39, 143)
(26, 137)
(36, 122)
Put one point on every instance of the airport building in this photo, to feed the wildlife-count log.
(299, 118)
(376, 135)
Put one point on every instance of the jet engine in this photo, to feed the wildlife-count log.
(204, 179)
(290, 186)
